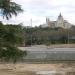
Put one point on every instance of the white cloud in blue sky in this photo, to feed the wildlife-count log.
(38, 10)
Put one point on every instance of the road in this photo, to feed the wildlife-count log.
(47, 53)
(45, 48)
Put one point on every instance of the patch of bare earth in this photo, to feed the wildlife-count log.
(31, 69)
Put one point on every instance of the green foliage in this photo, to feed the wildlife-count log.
(11, 54)
(9, 8)
(10, 37)
(48, 36)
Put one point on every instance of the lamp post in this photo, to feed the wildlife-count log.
(68, 35)
(31, 32)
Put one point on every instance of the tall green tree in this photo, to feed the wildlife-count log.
(10, 37)
(9, 34)
(9, 8)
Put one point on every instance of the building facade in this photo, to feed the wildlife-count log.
(60, 22)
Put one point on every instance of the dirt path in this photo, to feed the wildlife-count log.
(31, 69)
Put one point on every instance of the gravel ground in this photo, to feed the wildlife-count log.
(36, 69)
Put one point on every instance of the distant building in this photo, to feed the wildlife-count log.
(60, 22)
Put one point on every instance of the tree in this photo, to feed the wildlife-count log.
(9, 8)
(9, 34)
(10, 37)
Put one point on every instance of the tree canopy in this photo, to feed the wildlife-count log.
(9, 8)
(10, 38)
(10, 34)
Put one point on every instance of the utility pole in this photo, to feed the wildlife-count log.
(31, 32)
(68, 35)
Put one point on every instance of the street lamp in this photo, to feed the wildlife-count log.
(31, 32)
(68, 35)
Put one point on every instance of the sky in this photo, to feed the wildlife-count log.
(38, 10)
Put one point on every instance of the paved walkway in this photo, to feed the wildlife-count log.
(46, 48)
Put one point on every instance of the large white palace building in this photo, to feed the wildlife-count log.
(60, 22)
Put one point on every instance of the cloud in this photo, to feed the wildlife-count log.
(39, 9)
